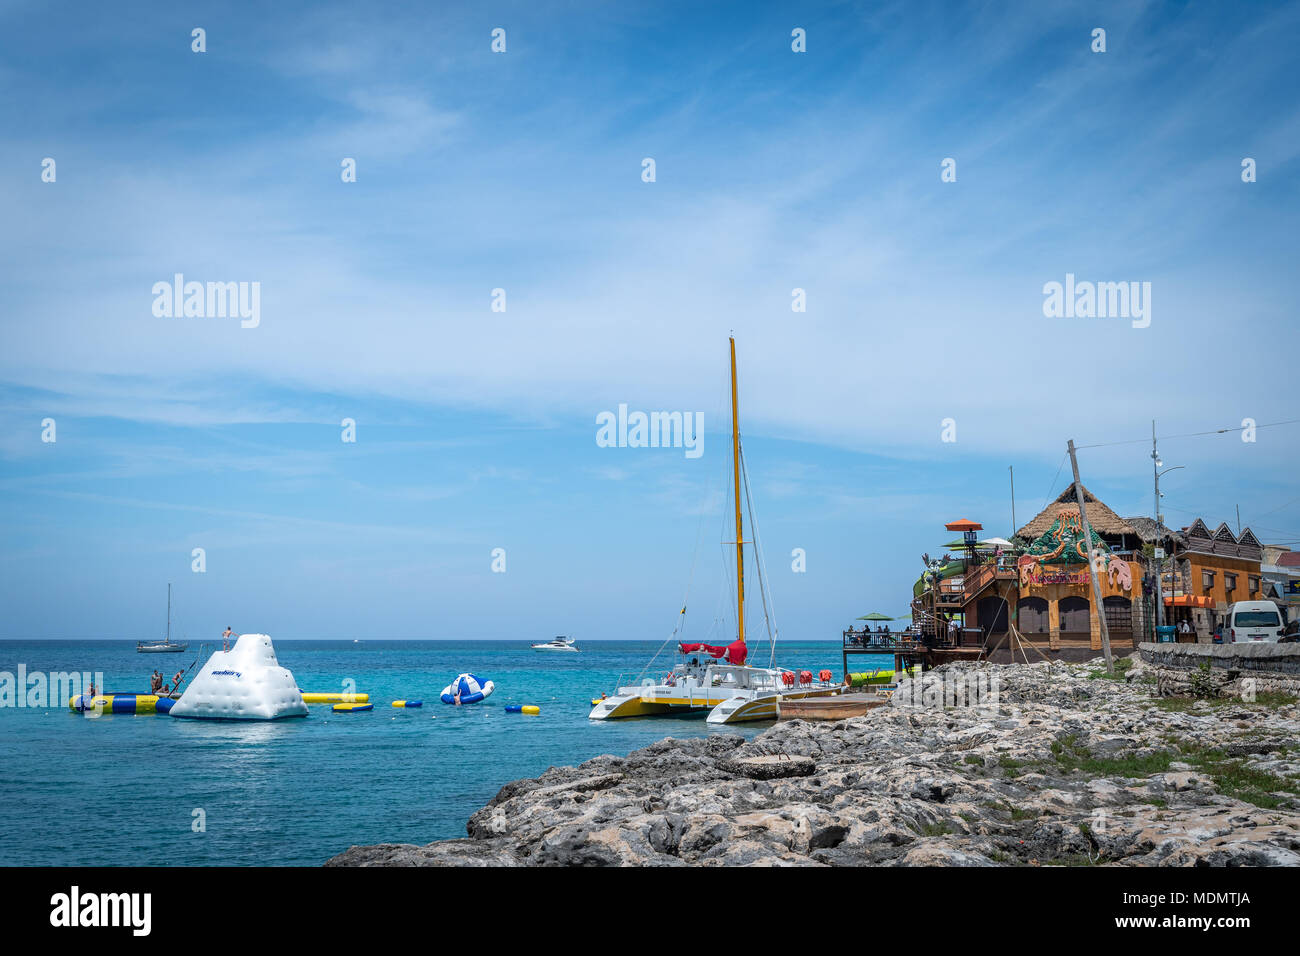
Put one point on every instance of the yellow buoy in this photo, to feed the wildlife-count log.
(530, 709)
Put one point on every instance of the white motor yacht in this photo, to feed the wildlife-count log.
(557, 644)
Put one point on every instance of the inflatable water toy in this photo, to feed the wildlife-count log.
(120, 703)
(514, 708)
(867, 678)
(530, 709)
(243, 683)
(164, 705)
(472, 689)
(333, 698)
(352, 708)
(408, 703)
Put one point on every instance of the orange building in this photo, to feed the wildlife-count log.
(1205, 571)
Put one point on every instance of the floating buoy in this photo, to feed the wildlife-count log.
(514, 709)
(530, 709)
(408, 703)
(335, 698)
(347, 708)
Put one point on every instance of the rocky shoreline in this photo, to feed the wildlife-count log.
(979, 765)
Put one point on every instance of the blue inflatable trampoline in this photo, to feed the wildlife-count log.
(470, 687)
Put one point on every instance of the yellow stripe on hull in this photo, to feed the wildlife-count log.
(613, 708)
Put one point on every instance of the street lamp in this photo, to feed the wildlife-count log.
(1160, 522)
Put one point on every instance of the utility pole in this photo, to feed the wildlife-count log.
(1011, 468)
(1160, 562)
(1098, 606)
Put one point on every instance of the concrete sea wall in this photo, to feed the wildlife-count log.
(1233, 669)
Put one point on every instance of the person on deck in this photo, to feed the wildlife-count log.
(155, 682)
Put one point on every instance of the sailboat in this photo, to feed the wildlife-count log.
(163, 647)
(717, 678)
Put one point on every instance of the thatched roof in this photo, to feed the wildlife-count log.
(1102, 519)
(1152, 533)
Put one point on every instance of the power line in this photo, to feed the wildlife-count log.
(1058, 475)
(1213, 431)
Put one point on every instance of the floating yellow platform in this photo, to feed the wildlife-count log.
(335, 698)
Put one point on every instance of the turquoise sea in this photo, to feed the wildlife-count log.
(123, 789)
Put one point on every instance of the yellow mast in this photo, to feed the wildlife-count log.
(740, 537)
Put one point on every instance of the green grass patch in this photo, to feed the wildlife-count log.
(1236, 778)
(1011, 765)
(1071, 755)
(934, 829)
(1122, 665)
(1265, 700)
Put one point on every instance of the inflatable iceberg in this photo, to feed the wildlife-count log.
(243, 683)
(472, 689)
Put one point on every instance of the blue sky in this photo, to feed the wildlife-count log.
(522, 171)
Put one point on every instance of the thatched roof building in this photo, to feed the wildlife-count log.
(1104, 521)
(1151, 532)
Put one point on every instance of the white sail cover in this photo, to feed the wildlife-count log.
(243, 683)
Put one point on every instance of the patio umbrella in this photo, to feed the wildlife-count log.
(875, 616)
(985, 543)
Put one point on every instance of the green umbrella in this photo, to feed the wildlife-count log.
(875, 616)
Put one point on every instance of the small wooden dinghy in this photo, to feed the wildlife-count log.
(829, 708)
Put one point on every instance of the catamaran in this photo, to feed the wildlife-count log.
(163, 647)
(717, 678)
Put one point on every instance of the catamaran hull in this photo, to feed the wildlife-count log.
(722, 710)
(633, 705)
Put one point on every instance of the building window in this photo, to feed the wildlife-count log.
(1229, 582)
(1207, 580)
(1254, 584)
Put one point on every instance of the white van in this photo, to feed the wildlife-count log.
(1253, 622)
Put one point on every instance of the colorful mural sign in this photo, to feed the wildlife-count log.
(1063, 544)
